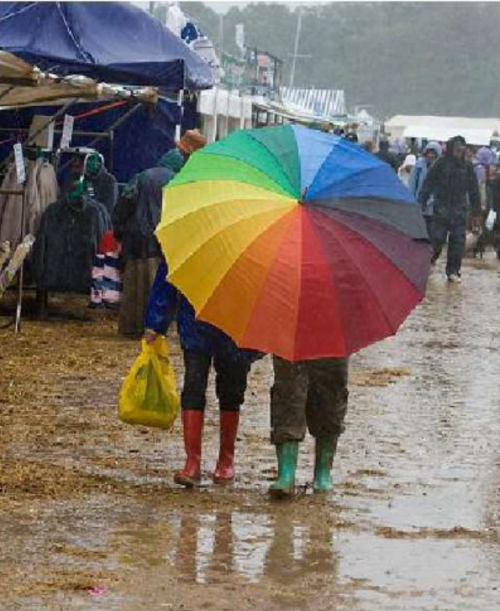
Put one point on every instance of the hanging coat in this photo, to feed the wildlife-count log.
(40, 191)
(105, 187)
(66, 243)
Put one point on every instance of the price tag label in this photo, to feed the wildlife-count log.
(67, 133)
(20, 167)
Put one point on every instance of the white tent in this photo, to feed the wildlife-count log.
(478, 132)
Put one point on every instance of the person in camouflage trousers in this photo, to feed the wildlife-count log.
(307, 395)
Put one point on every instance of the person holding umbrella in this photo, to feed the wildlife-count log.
(302, 245)
(203, 345)
(309, 394)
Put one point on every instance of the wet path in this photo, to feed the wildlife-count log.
(90, 518)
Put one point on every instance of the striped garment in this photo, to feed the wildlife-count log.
(107, 283)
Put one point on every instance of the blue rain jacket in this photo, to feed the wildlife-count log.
(166, 303)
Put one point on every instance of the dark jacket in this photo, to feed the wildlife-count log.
(167, 303)
(138, 213)
(66, 243)
(105, 187)
(454, 186)
(385, 154)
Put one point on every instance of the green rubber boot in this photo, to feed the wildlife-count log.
(287, 454)
(325, 453)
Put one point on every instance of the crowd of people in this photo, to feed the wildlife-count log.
(458, 188)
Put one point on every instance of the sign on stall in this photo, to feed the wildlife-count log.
(67, 132)
(20, 167)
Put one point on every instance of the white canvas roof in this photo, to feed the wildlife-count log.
(476, 131)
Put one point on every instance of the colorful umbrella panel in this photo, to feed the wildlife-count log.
(295, 242)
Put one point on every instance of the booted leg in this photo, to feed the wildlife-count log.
(327, 401)
(456, 248)
(192, 422)
(325, 453)
(287, 454)
(230, 385)
(224, 471)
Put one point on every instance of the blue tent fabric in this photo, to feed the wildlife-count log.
(139, 141)
(114, 42)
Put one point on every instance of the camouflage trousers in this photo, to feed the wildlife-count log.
(309, 395)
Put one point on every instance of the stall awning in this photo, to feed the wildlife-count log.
(477, 131)
(113, 42)
(476, 137)
(21, 84)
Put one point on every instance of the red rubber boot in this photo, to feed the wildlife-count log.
(224, 471)
(192, 424)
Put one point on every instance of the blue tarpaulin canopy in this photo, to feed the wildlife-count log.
(114, 42)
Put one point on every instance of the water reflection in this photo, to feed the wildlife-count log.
(206, 548)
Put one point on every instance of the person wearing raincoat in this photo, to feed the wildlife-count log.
(406, 168)
(432, 152)
(203, 345)
(452, 183)
(134, 220)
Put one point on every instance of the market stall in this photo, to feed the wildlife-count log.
(66, 56)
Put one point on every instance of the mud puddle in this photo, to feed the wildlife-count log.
(90, 518)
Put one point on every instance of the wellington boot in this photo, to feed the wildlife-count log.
(192, 424)
(287, 454)
(224, 471)
(325, 453)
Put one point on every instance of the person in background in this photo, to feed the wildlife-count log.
(406, 169)
(352, 137)
(203, 345)
(385, 154)
(135, 219)
(432, 152)
(482, 162)
(452, 183)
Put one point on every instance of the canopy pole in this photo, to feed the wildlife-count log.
(19, 306)
(180, 108)
(215, 115)
(107, 134)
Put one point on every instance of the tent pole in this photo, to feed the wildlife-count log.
(106, 134)
(19, 306)
(180, 108)
(116, 124)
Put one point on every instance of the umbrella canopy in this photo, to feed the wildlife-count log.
(295, 242)
(115, 42)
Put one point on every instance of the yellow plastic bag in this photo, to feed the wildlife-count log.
(149, 395)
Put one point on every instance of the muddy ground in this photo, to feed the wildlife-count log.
(90, 518)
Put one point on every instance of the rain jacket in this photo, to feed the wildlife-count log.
(167, 303)
(138, 213)
(418, 175)
(173, 160)
(454, 186)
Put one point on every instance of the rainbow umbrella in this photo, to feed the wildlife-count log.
(295, 242)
